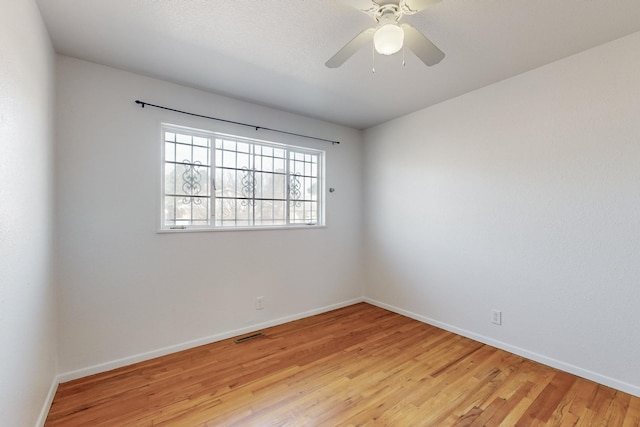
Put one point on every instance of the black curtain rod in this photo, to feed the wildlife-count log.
(142, 104)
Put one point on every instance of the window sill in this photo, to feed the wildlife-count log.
(227, 229)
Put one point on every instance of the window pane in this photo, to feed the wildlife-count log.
(191, 179)
(279, 187)
(243, 161)
(183, 153)
(218, 158)
(183, 208)
(201, 155)
(244, 211)
(242, 147)
(200, 208)
(295, 213)
(228, 159)
(278, 165)
(185, 139)
(200, 141)
(266, 210)
(295, 187)
(267, 164)
(170, 178)
(229, 209)
(231, 188)
(169, 210)
(279, 211)
(311, 212)
(261, 179)
(218, 211)
(311, 189)
(169, 151)
(296, 167)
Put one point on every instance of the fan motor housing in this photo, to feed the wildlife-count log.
(388, 14)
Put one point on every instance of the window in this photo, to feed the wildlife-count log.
(218, 181)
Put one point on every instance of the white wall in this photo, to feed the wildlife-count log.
(523, 196)
(127, 292)
(27, 285)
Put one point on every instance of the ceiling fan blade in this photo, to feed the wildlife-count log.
(409, 7)
(421, 46)
(350, 48)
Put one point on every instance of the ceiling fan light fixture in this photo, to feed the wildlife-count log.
(388, 39)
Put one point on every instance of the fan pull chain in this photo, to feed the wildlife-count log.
(373, 58)
(403, 63)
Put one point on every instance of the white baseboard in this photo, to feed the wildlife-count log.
(47, 403)
(103, 367)
(558, 364)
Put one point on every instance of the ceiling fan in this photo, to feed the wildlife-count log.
(389, 36)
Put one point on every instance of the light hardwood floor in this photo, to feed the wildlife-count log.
(359, 365)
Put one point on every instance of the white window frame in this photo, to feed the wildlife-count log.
(215, 223)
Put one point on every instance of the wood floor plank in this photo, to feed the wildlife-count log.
(359, 365)
(632, 417)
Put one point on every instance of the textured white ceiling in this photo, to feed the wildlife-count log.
(272, 52)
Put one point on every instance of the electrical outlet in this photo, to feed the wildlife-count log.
(496, 317)
(259, 303)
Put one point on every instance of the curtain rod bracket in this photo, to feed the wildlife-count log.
(142, 104)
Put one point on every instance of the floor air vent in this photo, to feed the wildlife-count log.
(249, 337)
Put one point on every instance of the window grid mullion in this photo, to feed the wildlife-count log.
(252, 183)
(288, 186)
(213, 171)
(235, 204)
(191, 189)
(273, 188)
(175, 185)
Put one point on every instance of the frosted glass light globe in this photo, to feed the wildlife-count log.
(388, 39)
